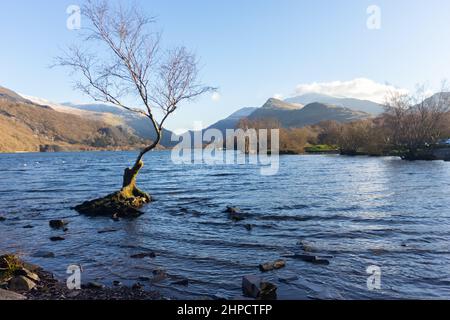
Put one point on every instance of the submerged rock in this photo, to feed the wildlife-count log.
(55, 239)
(143, 255)
(183, 282)
(234, 214)
(57, 224)
(28, 227)
(2, 219)
(44, 254)
(311, 259)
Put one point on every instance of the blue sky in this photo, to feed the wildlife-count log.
(250, 49)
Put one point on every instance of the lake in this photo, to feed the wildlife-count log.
(360, 212)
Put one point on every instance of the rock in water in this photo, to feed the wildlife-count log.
(125, 203)
(251, 286)
(265, 267)
(21, 284)
(2, 219)
(57, 224)
(254, 287)
(114, 206)
(234, 214)
(54, 239)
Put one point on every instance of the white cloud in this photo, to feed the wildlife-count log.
(360, 88)
(216, 97)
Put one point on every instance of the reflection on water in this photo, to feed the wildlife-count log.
(362, 211)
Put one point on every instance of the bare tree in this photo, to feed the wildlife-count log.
(120, 59)
(416, 121)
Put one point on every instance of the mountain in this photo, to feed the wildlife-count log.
(354, 104)
(112, 115)
(232, 120)
(30, 127)
(295, 116)
(137, 123)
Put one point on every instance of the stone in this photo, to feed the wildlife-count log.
(266, 267)
(249, 227)
(28, 227)
(6, 295)
(117, 283)
(57, 224)
(54, 239)
(279, 264)
(2, 219)
(251, 286)
(137, 286)
(143, 255)
(27, 273)
(268, 291)
(44, 254)
(306, 246)
(159, 275)
(255, 287)
(144, 278)
(270, 266)
(21, 284)
(234, 214)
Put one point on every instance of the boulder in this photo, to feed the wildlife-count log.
(27, 273)
(21, 284)
(255, 287)
(57, 224)
(6, 295)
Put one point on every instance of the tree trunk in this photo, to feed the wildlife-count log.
(129, 188)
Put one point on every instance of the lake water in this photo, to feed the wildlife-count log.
(361, 211)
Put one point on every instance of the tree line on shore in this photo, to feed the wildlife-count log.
(411, 127)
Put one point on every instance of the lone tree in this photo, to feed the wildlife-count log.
(119, 60)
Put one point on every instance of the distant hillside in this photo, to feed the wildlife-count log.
(28, 127)
(232, 120)
(295, 116)
(354, 104)
(139, 124)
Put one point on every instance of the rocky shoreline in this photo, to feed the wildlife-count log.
(22, 281)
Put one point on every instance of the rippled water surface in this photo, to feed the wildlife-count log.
(361, 211)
